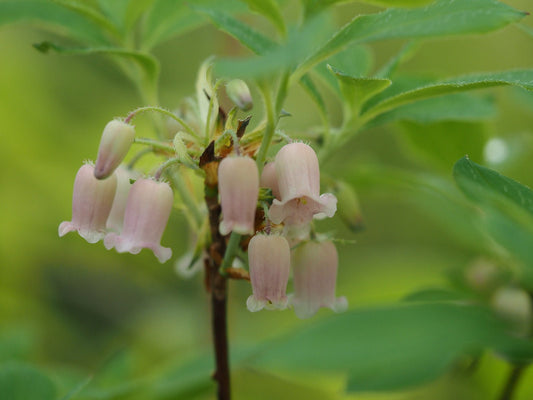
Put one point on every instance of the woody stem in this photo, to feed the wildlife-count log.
(217, 286)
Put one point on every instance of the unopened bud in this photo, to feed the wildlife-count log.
(238, 185)
(114, 145)
(483, 276)
(239, 94)
(514, 305)
(269, 259)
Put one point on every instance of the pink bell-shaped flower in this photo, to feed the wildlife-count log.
(91, 203)
(116, 216)
(269, 258)
(114, 145)
(147, 212)
(298, 178)
(269, 179)
(314, 277)
(238, 186)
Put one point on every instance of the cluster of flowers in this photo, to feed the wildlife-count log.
(294, 178)
(130, 217)
(105, 205)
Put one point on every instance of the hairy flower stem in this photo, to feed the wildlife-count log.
(217, 286)
(512, 382)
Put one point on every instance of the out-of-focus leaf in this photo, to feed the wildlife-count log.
(405, 53)
(507, 207)
(442, 18)
(442, 143)
(520, 78)
(314, 6)
(149, 64)
(124, 13)
(454, 107)
(356, 91)
(269, 9)
(390, 348)
(24, 382)
(82, 22)
(309, 86)
(355, 61)
(471, 177)
(251, 383)
(279, 58)
(168, 18)
(247, 36)
(435, 295)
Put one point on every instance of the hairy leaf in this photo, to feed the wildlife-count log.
(270, 10)
(247, 36)
(442, 18)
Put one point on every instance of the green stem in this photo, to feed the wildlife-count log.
(164, 111)
(269, 129)
(187, 198)
(170, 162)
(231, 250)
(155, 144)
(512, 382)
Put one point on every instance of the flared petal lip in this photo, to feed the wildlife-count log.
(124, 245)
(255, 304)
(226, 227)
(304, 310)
(90, 235)
(327, 203)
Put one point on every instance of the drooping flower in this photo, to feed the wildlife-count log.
(114, 145)
(91, 203)
(116, 216)
(315, 277)
(238, 186)
(147, 212)
(269, 259)
(298, 178)
(269, 179)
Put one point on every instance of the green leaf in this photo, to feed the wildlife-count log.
(391, 347)
(147, 62)
(124, 13)
(248, 37)
(507, 210)
(314, 6)
(309, 86)
(356, 91)
(169, 18)
(82, 22)
(405, 53)
(520, 78)
(280, 58)
(270, 10)
(472, 177)
(24, 382)
(454, 107)
(356, 61)
(442, 143)
(435, 295)
(442, 18)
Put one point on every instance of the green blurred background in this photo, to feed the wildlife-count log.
(72, 308)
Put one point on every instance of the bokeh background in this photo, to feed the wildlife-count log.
(74, 309)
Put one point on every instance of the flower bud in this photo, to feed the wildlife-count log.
(483, 276)
(514, 305)
(91, 203)
(314, 277)
(238, 186)
(239, 94)
(269, 179)
(269, 259)
(114, 145)
(147, 212)
(116, 216)
(298, 178)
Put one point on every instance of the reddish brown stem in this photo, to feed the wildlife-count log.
(218, 288)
